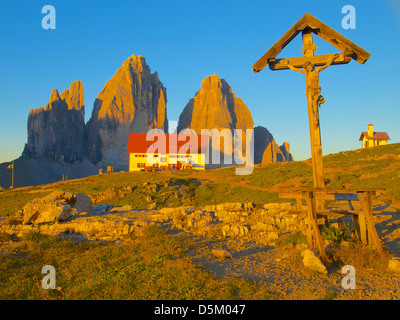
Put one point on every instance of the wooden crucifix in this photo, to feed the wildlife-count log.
(311, 65)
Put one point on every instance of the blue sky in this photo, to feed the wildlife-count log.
(185, 41)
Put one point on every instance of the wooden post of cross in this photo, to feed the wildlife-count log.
(313, 93)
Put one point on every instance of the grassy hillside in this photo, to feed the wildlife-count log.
(377, 167)
(160, 265)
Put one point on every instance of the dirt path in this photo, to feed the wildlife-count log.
(271, 268)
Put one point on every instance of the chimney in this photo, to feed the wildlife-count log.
(370, 130)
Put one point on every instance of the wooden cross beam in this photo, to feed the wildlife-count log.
(320, 29)
(298, 62)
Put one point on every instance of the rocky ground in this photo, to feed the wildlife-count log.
(230, 239)
(271, 267)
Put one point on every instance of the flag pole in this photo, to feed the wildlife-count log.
(12, 176)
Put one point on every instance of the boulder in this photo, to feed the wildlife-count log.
(57, 206)
(63, 196)
(312, 262)
(221, 254)
(39, 212)
(83, 203)
(394, 265)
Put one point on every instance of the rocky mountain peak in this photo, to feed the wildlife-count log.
(57, 132)
(133, 100)
(215, 105)
(74, 97)
(53, 97)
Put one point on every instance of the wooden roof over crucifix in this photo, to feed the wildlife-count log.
(350, 50)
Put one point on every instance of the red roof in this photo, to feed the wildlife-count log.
(377, 136)
(140, 143)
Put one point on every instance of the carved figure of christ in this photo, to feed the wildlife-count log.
(312, 78)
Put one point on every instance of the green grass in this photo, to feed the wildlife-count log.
(12, 201)
(293, 238)
(267, 176)
(153, 267)
(330, 294)
(334, 234)
(377, 167)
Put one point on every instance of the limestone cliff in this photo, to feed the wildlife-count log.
(215, 105)
(266, 150)
(286, 151)
(272, 153)
(56, 132)
(262, 138)
(133, 100)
